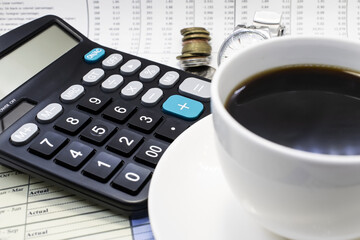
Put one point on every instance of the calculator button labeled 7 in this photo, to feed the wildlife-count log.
(24, 134)
(47, 145)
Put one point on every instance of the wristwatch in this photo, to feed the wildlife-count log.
(266, 25)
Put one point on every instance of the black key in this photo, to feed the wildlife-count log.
(102, 167)
(97, 132)
(94, 103)
(119, 111)
(74, 155)
(125, 142)
(132, 178)
(145, 120)
(171, 129)
(72, 122)
(48, 145)
(151, 152)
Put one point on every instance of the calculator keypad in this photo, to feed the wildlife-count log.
(113, 125)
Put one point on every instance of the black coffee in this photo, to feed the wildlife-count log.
(310, 108)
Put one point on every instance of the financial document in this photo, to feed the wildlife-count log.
(33, 209)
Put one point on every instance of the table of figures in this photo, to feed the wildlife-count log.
(151, 28)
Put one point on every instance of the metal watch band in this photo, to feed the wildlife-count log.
(269, 20)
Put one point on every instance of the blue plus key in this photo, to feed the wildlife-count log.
(183, 107)
(94, 55)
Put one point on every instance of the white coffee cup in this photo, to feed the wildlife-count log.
(296, 194)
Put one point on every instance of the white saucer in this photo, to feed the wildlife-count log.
(189, 198)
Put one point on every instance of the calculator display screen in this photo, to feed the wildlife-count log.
(25, 62)
(31, 57)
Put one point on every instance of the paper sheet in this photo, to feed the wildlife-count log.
(31, 209)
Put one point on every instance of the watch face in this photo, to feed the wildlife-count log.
(237, 41)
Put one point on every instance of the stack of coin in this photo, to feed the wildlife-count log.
(196, 49)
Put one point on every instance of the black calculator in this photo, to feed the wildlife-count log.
(92, 119)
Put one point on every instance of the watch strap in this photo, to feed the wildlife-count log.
(269, 20)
